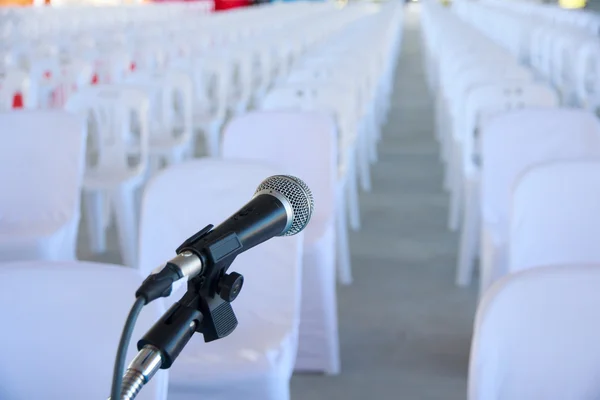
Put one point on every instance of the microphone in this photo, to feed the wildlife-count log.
(282, 205)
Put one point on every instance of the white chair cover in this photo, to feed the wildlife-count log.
(536, 337)
(555, 215)
(302, 144)
(587, 74)
(257, 359)
(485, 101)
(41, 169)
(468, 80)
(63, 321)
(481, 104)
(511, 143)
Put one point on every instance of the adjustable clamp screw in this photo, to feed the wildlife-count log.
(230, 286)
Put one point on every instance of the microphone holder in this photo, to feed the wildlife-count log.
(205, 308)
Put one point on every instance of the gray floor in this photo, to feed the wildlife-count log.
(405, 329)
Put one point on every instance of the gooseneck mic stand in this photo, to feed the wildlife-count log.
(205, 308)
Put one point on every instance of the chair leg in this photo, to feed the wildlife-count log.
(344, 267)
(451, 161)
(456, 193)
(94, 208)
(126, 215)
(469, 236)
(107, 210)
(375, 135)
(489, 264)
(333, 345)
(213, 139)
(363, 161)
(177, 155)
(190, 151)
(154, 165)
(352, 193)
(454, 212)
(438, 121)
(374, 132)
(379, 112)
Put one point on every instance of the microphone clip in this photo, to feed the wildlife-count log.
(206, 306)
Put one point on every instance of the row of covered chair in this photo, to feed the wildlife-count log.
(55, 65)
(474, 80)
(33, 23)
(357, 102)
(522, 171)
(564, 53)
(552, 13)
(156, 116)
(311, 121)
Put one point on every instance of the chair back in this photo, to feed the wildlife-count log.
(68, 325)
(486, 101)
(536, 336)
(512, 142)
(41, 170)
(555, 215)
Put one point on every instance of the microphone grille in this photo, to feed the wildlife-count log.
(297, 193)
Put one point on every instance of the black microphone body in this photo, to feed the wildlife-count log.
(266, 215)
(262, 218)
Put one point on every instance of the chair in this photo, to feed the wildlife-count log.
(565, 49)
(555, 215)
(512, 142)
(481, 104)
(68, 325)
(540, 48)
(54, 80)
(148, 55)
(211, 76)
(241, 59)
(353, 85)
(536, 336)
(41, 171)
(303, 144)
(117, 161)
(14, 84)
(468, 78)
(256, 360)
(113, 64)
(587, 74)
(443, 102)
(171, 123)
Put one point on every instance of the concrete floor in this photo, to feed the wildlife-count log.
(405, 329)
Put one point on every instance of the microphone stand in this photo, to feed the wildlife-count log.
(205, 308)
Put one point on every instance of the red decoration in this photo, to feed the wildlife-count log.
(18, 101)
(229, 4)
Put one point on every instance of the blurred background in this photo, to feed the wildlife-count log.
(452, 149)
